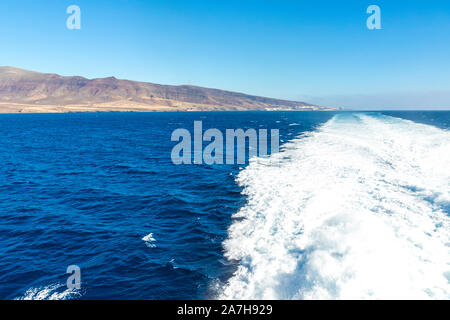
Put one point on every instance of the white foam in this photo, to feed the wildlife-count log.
(149, 240)
(51, 292)
(353, 210)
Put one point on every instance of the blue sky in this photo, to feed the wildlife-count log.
(318, 51)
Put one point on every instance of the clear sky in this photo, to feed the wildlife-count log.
(318, 51)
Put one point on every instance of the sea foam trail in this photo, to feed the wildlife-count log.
(354, 210)
(51, 292)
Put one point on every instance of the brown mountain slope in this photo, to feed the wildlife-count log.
(28, 91)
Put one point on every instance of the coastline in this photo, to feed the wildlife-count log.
(24, 91)
(14, 108)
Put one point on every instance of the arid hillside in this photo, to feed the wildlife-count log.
(28, 91)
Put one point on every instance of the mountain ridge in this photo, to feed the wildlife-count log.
(34, 92)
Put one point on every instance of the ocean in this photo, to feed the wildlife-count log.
(354, 206)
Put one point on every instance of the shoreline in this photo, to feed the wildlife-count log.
(182, 111)
(33, 109)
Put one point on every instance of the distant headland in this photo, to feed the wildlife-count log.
(23, 91)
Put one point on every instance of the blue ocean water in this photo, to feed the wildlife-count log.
(100, 191)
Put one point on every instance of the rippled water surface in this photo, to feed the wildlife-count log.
(348, 189)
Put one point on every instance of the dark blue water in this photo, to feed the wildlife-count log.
(440, 119)
(84, 189)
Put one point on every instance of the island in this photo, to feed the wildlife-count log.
(23, 91)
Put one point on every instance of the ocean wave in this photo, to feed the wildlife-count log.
(353, 210)
(149, 240)
(50, 292)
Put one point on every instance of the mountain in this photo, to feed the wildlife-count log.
(29, 91)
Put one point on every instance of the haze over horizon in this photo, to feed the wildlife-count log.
(319, 52)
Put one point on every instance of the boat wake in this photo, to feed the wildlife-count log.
(358, 209)
(51, 292)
